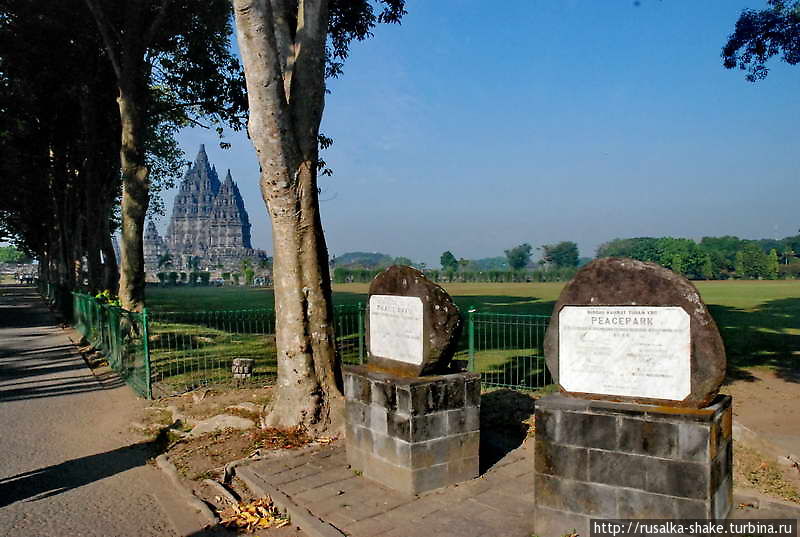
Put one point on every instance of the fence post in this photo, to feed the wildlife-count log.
(146, 352)
(471, 336)
(360, 333)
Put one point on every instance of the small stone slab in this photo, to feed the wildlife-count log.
(626, 330)
(413, 325)
(221, 422)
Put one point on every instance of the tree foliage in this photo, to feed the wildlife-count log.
(448, 261)
(519, 256)
(761, 35)
(563, 254)
(10, 254)
(172, 64)
(711, 258)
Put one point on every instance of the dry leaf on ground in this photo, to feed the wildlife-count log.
(260, 513)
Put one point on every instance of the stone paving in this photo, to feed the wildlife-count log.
(326, 498)
(329, 499)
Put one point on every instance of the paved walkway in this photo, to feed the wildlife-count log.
(331, 500)
(326, 499)
(68, 464)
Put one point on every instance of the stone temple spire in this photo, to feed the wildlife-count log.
(209, 219)
(230, 216)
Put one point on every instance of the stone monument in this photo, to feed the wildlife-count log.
(413, 424)
(639, 429)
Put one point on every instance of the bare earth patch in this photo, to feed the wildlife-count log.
(752, 469)
(206, 456)
(768, 402)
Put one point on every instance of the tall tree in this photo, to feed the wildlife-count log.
(57, 136)
(760, 35)
(563, 254)
(448, 261)
(519, 256)
(182, 47)
(287, 48)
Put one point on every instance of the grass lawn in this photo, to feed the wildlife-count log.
(759, 321)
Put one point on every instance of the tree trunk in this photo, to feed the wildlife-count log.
(135, 199)
(309, 379)
(284, 134)
(110, 266)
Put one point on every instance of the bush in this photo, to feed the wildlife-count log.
(172, 278)
(205, 278)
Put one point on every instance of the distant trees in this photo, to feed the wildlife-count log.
(448, 261)
(563, 254)
(367, 260)
(519, 256)
(10, 254)
(760, 35)
(711, 258)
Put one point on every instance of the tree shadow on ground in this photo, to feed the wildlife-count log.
(21, 376)
(55, 479)
(768, 335)
(505, 423)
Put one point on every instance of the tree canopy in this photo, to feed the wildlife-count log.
(448, 261)
(711, 258)
(761, 35)
(563, 254)
(519, 256)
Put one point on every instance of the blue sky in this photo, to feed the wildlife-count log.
(474, 130)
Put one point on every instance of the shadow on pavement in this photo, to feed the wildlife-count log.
(53, 480)
(60, 387)
(505, 416)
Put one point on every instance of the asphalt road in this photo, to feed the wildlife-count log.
(69, 465)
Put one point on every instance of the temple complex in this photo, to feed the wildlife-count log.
(209, 225)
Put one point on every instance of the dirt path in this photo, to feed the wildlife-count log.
(69, 464)
(769, 404)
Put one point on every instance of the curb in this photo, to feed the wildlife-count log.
(165, 465)
(311, 524)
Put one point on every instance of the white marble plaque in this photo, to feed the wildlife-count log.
(395, 328)
(634, 351)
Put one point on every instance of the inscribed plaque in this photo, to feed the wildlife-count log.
(633, 351)
(395, 328)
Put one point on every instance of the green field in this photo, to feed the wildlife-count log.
(759, 322)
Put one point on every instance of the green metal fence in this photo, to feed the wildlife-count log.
(162, 353)
(507, 349)
(190, 349)
(122, 337)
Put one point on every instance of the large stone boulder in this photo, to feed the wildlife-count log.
(617, 282)
(412, 325)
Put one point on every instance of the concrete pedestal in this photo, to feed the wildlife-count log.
(412, 434)
(601, 460)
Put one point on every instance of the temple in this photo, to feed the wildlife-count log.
(209, 228)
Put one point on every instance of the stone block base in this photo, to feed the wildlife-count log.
(412, 434)
(598, 459)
